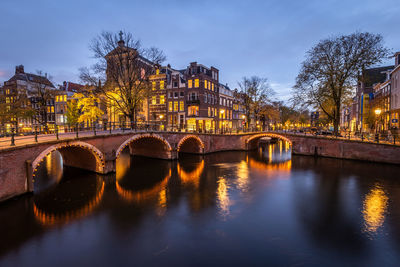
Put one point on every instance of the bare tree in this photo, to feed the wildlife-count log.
(255, 92)
(331, 70)
(124, 67)
(41, 95)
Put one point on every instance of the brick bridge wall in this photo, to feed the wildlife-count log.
(98, 153)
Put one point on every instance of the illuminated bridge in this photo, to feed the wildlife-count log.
(18, 164)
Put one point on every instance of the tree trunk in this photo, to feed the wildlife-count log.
(336, 120)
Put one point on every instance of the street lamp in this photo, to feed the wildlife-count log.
(378, 112)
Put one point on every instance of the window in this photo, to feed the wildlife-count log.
(65, 98)
(209, 112)
(175, 94)
(170, 94)
(190, 84)
(212, 86)
(161, 85)
(162, 99)
(170, 106)
(175, 84)
(175, 105)
(181, 106)
(205, 98)
(182, 94)
(193, 111)
(157, 71)
(153, 100)
(205, 84)
(196, 83)
(209, 85)
(153, 85)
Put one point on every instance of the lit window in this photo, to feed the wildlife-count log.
(65, 98)
(162, 99)
(161, 85)
(153, 100)
(209, 85)
(175, 105)
(190, 84)
(52, 109)
(170, 106)
(157, 71)
(196, 83)
(205, 84)
(212, 86)
(209, 112)
(181, 106)
(153, 85)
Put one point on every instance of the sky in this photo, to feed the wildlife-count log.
(267, 38)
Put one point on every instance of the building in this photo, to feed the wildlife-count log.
(202, 97)
(30, 98)
(395, 93)
(364, 96)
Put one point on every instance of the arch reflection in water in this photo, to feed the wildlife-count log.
(70, 200)
(190, 170)
(374, 209)
(140, 179)
(273, 159)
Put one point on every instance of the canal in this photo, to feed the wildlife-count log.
(233, 208)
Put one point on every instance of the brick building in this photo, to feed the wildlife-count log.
(29, 92)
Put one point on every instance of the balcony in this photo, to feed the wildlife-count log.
(193, 101)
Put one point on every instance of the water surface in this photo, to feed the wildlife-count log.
(232, 208)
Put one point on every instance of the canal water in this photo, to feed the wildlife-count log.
(262, 208)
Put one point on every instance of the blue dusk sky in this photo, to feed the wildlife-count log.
(241, 38)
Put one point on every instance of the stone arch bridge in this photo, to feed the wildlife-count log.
(18, 164)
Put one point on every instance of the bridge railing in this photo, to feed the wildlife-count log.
(67, 132)
(377, 138)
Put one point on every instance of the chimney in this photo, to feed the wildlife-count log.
(19, 69)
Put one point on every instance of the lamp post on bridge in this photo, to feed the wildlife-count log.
(378, 112)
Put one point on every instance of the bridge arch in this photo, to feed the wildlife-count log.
(75, 154)
(149, 145)
(252, 141)
(191, 144)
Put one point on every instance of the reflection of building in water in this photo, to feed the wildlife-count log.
(191, 177)
(277, 152)
(374, 209)
(224, 201)
(143, 195)
(49, 218)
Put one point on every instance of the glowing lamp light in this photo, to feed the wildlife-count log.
(161, 117)
(222, 111)
(378, 111)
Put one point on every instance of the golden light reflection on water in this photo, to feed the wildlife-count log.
(123, 164)
(242, 174)
(374, 209)
(224, 201)
(54, 166)
(49, 219)
(192, 177)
